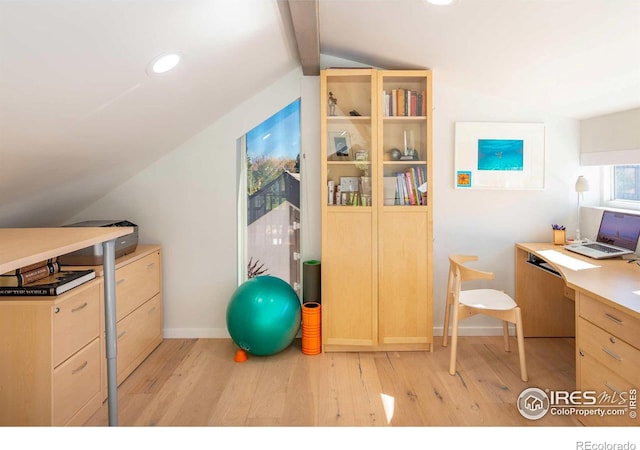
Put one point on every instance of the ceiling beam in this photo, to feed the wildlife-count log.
(304, 16)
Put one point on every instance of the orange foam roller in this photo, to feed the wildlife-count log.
(311, 334)
(311, 314)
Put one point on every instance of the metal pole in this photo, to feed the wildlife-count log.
(108, 265)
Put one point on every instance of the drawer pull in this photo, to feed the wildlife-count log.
(610, 353)
(612, 339)
(56, 310)
(82, 366)
(581, 352)
(152, 310)
(121, 280)
(150, 265)
(613, 318)
(122, 334)
(613, 388)
(84, 305)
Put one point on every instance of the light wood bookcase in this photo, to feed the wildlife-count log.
(377, 272)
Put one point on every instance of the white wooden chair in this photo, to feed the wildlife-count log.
(467, 303)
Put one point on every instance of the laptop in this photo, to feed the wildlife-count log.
(618, 235)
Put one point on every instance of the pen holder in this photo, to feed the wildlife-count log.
(559, 237)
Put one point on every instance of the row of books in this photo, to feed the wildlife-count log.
(404, 102)
(407, 187)
(44, 278)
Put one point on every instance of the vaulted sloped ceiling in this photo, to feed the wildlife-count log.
(79, 114)
(576, 58)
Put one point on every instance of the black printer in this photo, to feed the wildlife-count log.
(92, 256)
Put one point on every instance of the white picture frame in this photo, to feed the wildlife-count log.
(339, 145)
(495, 155)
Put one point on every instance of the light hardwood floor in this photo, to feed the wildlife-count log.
(195, 382)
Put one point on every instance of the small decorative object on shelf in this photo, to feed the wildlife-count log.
(332, 104)
(559, 234)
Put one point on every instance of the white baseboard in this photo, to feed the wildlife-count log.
(218, 333)
(195, 333)
(476, 331)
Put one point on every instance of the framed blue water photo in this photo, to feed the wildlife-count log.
(500, 154)
(494, 155)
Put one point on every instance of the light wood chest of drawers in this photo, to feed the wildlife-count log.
(138, 311)
(50, 358)
(608, 359)
(52, 349)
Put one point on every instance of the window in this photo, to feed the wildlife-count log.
(622, 186)
(626, 182)
(269, 204)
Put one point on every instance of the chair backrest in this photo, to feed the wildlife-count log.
(458, 273)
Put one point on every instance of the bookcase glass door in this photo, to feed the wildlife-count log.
(404, 139)
(349, 147)
(271, 156)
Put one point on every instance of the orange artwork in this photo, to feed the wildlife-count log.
(463, 179)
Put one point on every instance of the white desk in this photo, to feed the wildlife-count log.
(23, 246)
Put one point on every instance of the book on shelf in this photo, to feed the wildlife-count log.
(55, 284)
(33, 266)
(411, 187)
(404, 102)
(23, 278)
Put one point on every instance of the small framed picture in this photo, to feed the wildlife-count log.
(339, 144)
(361, 155)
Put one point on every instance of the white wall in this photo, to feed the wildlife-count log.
(488, 223)
(187, 202)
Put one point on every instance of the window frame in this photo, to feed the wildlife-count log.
(608, 189)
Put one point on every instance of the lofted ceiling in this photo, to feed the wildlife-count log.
(77, 108)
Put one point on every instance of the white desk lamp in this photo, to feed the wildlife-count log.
(582, 185)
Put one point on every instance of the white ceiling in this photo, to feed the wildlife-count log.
(77, 104)
(577, 58)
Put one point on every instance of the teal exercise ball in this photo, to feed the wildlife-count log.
(264, 315)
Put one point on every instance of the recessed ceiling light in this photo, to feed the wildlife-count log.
(163, 63)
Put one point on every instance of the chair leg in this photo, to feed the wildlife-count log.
(454, 342)
(505, 332)
(520, 336)
(445, 325)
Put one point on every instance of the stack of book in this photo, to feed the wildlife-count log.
(42, 278)
(404, 102)
(410, 187)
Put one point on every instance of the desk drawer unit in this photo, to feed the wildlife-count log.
(50, 358)
(138, 279)
(609, 350)
(76, 321)
(607, 356)
(614, 321)
(138, 335)
(136, 283)
(600, 378)
(76, 384)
